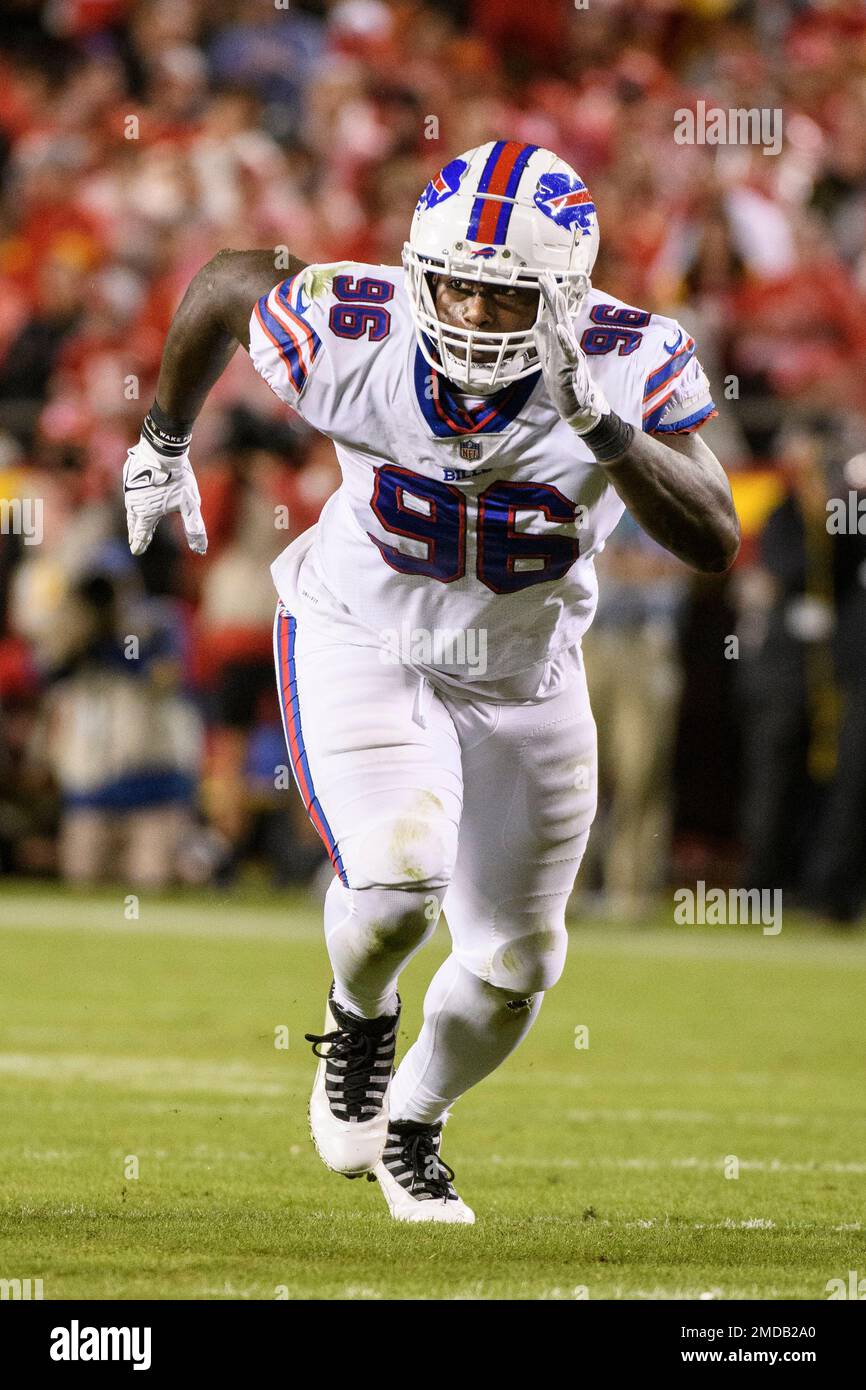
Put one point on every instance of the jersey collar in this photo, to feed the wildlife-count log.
(448, 419)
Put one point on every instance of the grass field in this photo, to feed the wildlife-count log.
(599, 1168)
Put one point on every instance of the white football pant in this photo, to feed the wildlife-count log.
(427, 801)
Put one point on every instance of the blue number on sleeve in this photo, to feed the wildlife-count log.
(618, 328)
(359, 313)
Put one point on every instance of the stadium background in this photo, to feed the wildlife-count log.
(160, 921)
(137, 137)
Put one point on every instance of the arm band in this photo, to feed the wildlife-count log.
(169, 437)
(610, 438)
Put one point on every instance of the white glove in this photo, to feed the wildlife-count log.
(154, 485)
(563, 362)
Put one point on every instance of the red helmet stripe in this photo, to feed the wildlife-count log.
(486, 222)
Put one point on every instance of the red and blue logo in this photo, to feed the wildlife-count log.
(444, 185)
(566, 200)
(485, 251)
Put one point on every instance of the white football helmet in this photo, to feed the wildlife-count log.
(503, 214)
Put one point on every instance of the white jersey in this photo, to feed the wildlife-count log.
(463, 536)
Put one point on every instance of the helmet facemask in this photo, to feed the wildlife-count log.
(457, 352)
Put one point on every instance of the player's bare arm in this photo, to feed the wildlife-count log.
(211, 321)
(679, 493)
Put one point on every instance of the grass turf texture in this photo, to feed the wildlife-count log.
(600, 1168)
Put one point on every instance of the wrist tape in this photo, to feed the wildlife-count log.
(168, 437)
(610, 438)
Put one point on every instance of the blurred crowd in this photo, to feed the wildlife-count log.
(138, 727)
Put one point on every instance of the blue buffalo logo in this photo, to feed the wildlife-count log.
(566, 200)
(446, 182)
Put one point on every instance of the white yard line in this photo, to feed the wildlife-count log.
(640, 1163)
(218, 919)
(146, 1073)
(633, 1115)
(611, 1079)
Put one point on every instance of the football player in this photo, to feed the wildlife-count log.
(492, 413)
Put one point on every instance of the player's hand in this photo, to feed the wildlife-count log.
(563, 362)
(154, 485)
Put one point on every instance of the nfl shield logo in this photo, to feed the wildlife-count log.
(470, 450)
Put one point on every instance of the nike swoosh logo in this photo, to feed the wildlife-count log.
(142, 483)
(672, 347)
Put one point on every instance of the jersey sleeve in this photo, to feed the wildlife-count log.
(293, 345)
(285, 346)
(676, 397)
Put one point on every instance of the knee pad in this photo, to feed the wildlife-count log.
(529, 964)
(414, 851)
(385, 920)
